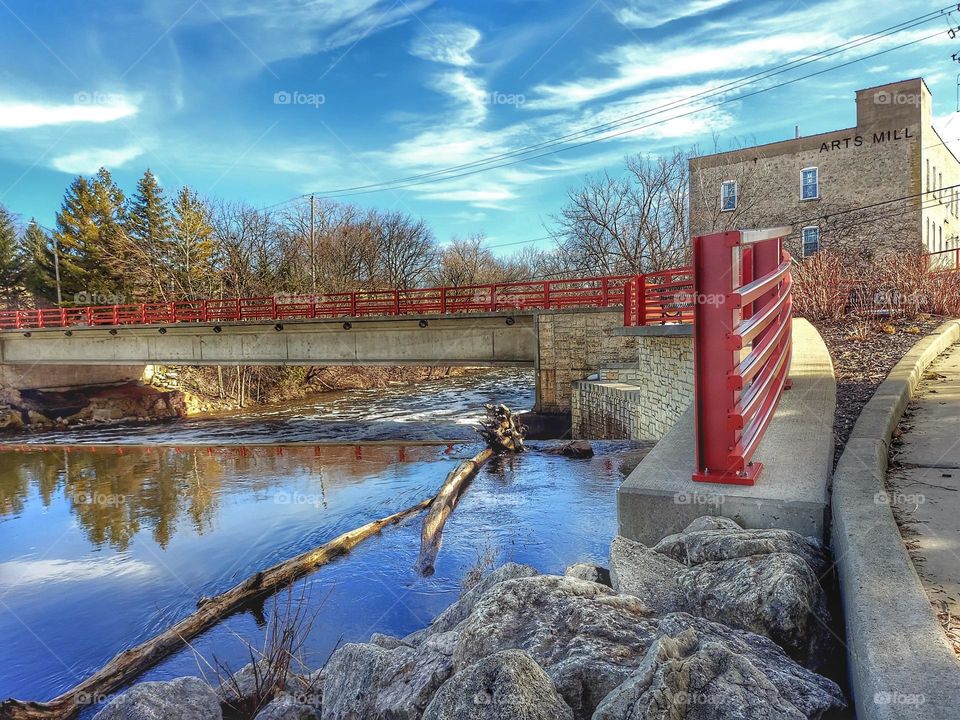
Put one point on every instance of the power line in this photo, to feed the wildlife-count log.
(444, 174)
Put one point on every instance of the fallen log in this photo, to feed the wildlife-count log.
(502, 433)
(131, 663)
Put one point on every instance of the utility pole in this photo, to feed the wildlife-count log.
(56, 269)
(313, 261)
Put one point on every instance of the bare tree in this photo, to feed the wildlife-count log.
(635, 223)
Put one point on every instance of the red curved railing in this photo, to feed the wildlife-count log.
(590, 292)
(742, 347)
(944, 259)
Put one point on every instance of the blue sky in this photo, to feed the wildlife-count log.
(264, 100)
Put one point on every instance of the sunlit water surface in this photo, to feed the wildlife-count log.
(102, 547)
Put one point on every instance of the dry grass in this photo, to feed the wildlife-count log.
(277, 666)
(836, 286)
(480, 569)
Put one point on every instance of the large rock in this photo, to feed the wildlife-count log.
(589, 572)
(803, 688)
(457, 612)
(585, 636)
(186, 698)
(363, 680)
(697, 677)
(637, 570)
(507, 685)
(776, 595)
(711, 545)
(285, 707)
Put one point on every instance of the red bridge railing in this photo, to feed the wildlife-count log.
(597, 292)
(742, 347)
(660, 297)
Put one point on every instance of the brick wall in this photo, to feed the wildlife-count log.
(640, 400)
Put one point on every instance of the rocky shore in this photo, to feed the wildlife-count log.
(715, 622)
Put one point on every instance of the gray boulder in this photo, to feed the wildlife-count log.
(186, 698)
(696, 547)
(803, 688)
(456, 613)
(589, 572)
(637, 570)
(698, 678)
(776, 595)
(363, 680)
(507, 685)
(388, 642)
(585, 636)
(285, 707)
(711, 522)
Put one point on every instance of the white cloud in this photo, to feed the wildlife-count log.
(448, 43)
(638, 65)
(89, 160)
(274, 30)
(15, 114)
(653, 13)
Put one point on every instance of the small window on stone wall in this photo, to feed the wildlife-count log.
(811, 240)
(809, 183)
(728, 195)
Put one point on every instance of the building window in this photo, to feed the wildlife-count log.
(940, 240)
(811, 240)
(809, 184)
(728, 195)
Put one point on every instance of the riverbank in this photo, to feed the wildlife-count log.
(715, 622)
(171, 392)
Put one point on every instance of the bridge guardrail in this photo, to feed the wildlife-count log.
(944, 259)
(590, 292)
(659, 298)
(742, 347)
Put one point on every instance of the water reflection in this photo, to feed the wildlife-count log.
(114, 493)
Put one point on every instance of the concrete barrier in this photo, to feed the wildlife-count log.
(660, 497)
(901, 665)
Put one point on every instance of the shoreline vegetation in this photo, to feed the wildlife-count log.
(169, 392)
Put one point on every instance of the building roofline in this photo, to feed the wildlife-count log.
(774, 142)
(897, 82)
(942, 142)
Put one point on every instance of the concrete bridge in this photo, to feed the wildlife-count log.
(563, 329)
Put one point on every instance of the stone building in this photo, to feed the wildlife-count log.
(887, 183)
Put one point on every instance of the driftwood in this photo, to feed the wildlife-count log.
(502, 433)
(131, 663)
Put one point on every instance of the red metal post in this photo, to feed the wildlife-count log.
(628, 302)
(641, 303)
(396, 302)
(715, 275)
(546, 295)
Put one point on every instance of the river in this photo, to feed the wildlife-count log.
(108, 536)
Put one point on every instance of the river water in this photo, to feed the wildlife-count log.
(108, 536)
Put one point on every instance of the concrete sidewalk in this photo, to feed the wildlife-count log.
(923, 483)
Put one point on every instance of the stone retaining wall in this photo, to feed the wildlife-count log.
(637, 401)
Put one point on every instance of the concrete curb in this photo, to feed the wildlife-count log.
(901, 665)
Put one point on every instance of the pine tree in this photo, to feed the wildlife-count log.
(90, 238)
(148, 230)
(39, 273)
(11, 259)
(192, 245)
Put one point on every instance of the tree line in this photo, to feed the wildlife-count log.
(109, 248)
